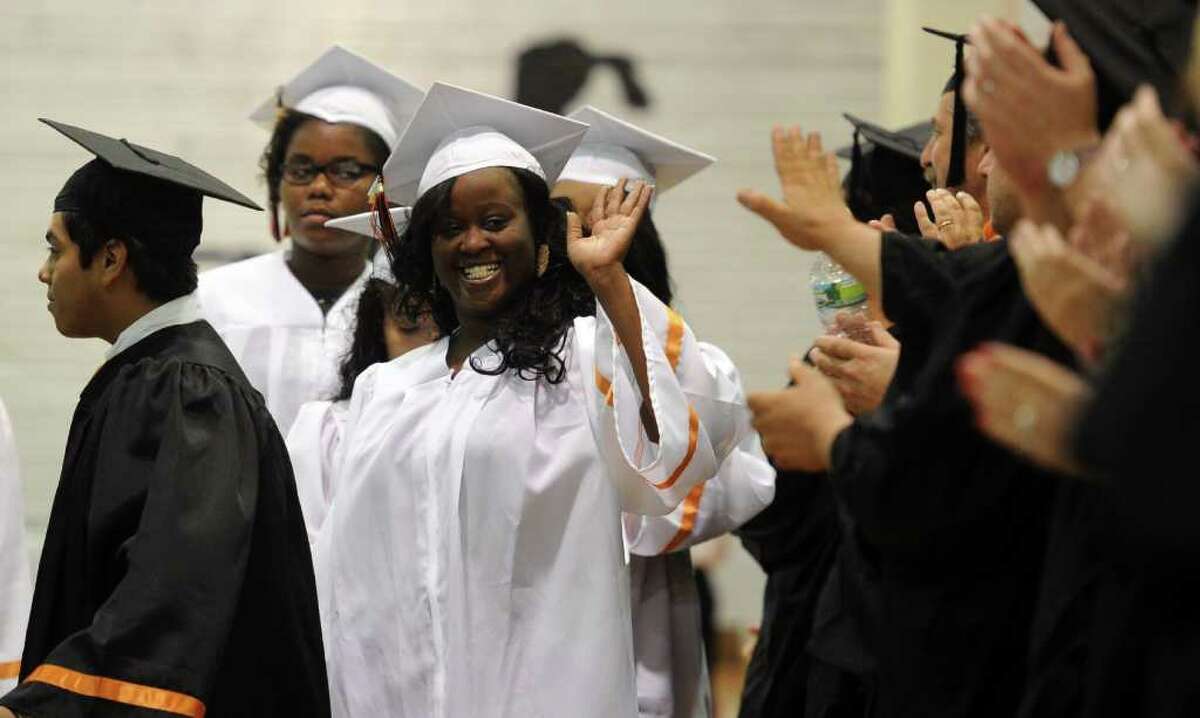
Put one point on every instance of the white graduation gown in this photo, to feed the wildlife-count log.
(16, 591)
(672, 673)
(289, 350)
(472, 560)
(312, 445)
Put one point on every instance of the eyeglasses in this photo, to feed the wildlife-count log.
(341, 173)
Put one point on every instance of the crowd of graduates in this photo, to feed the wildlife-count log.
(445, 451)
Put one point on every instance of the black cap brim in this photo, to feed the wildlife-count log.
(906, 142)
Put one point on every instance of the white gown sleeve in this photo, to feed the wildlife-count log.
(312, 444)
(15, 589)
(744, 486)
(700, 412)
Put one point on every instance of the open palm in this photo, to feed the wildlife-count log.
(614, 218)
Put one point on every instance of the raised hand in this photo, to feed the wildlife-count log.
(1024, 402)
(812, 192)
(957, 218)
(1075, 296)
(1029, 108)
(1149, 154)
(798, 425)
(614, 218)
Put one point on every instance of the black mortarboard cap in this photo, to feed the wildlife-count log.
(1130, 43)
(957, 173)
(130, 190)
(886, 176)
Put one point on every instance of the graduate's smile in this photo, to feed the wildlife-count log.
(479, 273)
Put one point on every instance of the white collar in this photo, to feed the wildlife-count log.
(183, 310)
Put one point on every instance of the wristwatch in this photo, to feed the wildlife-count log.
(1063, 168)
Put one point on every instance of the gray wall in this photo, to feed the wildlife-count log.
(182, 76)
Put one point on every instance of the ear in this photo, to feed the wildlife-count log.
(114, 259)
(543, 259)
(987, 162)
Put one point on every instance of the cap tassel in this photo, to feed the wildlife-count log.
(377, 199)
(273, 219)
(957, 173)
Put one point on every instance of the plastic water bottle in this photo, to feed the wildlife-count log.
(835, 291)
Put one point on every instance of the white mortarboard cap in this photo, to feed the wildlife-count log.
(614, 148)
(341, 86)
(456, 131)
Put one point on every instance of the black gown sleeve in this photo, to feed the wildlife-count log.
(185, 433)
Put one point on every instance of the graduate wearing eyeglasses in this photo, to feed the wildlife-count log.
(288, 315)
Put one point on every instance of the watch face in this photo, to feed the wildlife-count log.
(1063, 169)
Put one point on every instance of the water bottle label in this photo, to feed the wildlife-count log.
(839, 295)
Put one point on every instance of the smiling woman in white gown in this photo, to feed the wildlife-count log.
(472, 561)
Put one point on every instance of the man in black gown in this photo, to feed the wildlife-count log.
(176, 577)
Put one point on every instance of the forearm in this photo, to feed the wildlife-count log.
(857, 248)
(614, 292)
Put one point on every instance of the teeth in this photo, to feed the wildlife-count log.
(480, 272)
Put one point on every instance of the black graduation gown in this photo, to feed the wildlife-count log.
(1139, 436)
(794, 541)
(957, 524)
(176, 577)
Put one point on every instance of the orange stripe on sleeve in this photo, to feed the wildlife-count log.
(674, 337)
(9, 669)
(691, 507)
(605, 387)
(693, 440)
(131, 694)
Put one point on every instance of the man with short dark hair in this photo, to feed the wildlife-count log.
(175, 578)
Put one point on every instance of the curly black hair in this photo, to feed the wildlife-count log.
(368, 345)
(531, 337)
(274, 154)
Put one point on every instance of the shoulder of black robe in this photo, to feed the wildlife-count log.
(175, 577)
(959, 524)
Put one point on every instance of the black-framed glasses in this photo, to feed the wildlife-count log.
(341, 173)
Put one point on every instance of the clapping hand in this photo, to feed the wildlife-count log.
(957, 218)
(1024, 402)
(812, 191)
(799, 424)
(860, 370)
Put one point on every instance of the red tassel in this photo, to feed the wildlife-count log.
(384, 227)
(273, 218)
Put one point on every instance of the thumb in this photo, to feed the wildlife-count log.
(574, 228)
(929, 230)
(1069, 53)
(766, 207)
(882, 338)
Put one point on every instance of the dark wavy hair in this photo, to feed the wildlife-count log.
(274, 154)
(530, 336)
(162, 271)
(367, 346)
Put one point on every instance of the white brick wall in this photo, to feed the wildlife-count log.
(181, 76)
